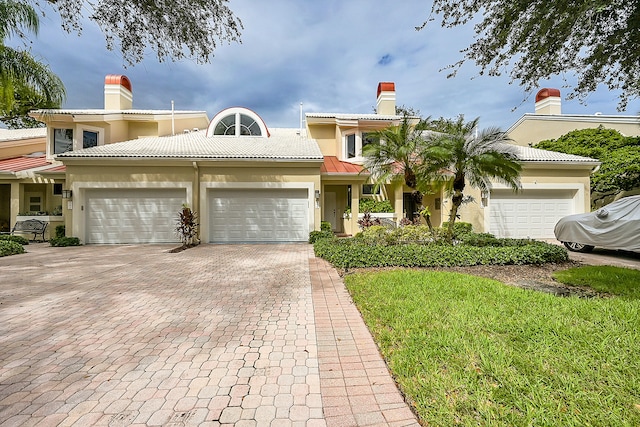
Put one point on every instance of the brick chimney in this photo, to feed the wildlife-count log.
(117, 92)
(386, 104)
(548, 101)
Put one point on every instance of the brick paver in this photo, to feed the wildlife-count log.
(212, 336)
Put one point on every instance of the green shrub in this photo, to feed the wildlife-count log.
(353, 253)
(11, 238)
(60, 231)
(8, 247)
(64, 241)
(314, 236)
(413, 234)
(375, 206)
(325, 226)
(459, 228)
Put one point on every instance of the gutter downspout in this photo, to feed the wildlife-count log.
(196, 193)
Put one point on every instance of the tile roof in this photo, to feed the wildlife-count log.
(108, 112)
(285, 144)
(18, 134)
(530, 154)
(332, 165)
(347, 116)
(37, 163)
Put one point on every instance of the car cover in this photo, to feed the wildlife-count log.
(615, 226)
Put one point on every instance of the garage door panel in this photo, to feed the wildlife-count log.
(269, 215)
(133, 215)
(529, 213)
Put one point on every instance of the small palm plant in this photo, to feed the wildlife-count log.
(187, 226)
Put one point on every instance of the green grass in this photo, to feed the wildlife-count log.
(471, 351)
(623, 282)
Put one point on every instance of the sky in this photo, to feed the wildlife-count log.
(329, 56)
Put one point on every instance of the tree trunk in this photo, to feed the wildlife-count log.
(456, 201)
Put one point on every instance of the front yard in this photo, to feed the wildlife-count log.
(469, 348)
(473, 351)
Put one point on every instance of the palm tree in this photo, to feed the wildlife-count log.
(18, 68)
(391, 154)
(458, 154)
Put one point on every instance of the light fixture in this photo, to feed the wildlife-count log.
(67, 194)
(317, 194)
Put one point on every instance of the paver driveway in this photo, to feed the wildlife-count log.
(215, 335)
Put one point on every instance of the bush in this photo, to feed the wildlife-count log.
(325, 226)
(353, 253)
(368, 221)
(375, 206)
(314, 236)
(64, 241)
(11, 238)
(60, 231)
(459, 228)
(8, 247)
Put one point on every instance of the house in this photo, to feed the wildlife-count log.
(127, 173)
(32, 179)
(548, 122)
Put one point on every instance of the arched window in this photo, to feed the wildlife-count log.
(237, 122)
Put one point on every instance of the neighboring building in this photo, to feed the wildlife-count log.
(32, 179)
(129, 175)
(548, 122)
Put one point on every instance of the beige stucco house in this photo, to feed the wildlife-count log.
(548, 122)
(126, 173)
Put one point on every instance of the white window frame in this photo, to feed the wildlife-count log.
(78, 142)
(358, 147)
(237, 111)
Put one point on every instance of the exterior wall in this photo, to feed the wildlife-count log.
(195, 177)
(533, 176)
(9, 149)
(535, 128)
(190, 123)
(325, 135)
(82, 178)
(254, 175)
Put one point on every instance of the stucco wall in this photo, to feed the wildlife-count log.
(534, 129)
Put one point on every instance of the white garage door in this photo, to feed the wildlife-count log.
(270, 215)
(133, 216)
(528, 213)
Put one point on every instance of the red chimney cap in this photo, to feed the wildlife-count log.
(117, 79)
(386, 86)
(546, 93)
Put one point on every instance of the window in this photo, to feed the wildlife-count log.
(370, 189)
(57, 189)
(62, 140)
(351, 146)
(89, 139)
(354, 142)
(237, 121)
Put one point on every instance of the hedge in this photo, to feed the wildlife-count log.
(13, 238)
(349, 253)
(8, 247)
(64, 241)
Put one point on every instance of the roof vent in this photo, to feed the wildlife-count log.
(196, 129)
(186, 131)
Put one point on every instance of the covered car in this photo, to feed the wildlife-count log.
(615, 226)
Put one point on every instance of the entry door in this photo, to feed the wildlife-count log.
(330, 209)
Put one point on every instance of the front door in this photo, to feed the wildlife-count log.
(410, 206)
(330, 210)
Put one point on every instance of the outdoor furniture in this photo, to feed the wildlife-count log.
(30, 226)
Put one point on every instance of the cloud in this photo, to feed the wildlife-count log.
(328, 55)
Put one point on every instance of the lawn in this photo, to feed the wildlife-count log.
(472, 351)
